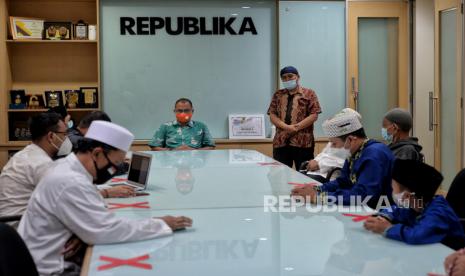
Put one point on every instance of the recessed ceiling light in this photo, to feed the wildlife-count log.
(263, 239)
(246, 7)
(288, 268)
(234, 14)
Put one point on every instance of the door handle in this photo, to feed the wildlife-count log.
(432, 111)
(355, 94)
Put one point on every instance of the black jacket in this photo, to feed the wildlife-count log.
(74, 136)
(407, 149)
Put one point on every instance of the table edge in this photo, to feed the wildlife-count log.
(87, 259)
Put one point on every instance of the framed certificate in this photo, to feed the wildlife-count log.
(244, 126)
(26, 28)
(81, 30)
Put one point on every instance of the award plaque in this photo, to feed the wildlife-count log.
(57, 30)
(53, 99)
(72, 98)
(18, 99)
(26, 28)
(89, 97)
(81, 30)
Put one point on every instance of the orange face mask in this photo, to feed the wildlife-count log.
(183, 117)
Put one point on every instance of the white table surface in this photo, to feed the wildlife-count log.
(233, 235)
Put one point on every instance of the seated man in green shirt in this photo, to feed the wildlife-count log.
(183, 133)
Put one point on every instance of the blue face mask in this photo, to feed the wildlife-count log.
(386, 136)
(290, 84)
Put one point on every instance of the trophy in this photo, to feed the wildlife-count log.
(33, 102)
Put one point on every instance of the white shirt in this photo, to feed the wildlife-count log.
(328, 159)
(19, 178)
(66, 202)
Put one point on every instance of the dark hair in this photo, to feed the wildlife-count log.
(93, 116)
(59, 110)
(183, 100)
(40, 125)
(360, 133)
(86, 145)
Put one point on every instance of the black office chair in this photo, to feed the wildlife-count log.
(333, 173)
(456, 195)
(15, 258)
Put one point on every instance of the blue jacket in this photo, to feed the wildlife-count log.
(373, 173)
(437, 223)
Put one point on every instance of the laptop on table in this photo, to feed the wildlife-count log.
(138, 172)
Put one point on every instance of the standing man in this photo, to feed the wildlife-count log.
(183, 133)
(293, 110)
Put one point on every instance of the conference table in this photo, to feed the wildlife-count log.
(235, 232)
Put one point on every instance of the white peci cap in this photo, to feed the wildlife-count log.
(350, 110)
(110, 134)
(342, 124)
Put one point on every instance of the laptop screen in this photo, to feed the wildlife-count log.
(140, 167)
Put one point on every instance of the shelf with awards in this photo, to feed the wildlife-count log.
(50, 41)
(53, 46)
(44, 110)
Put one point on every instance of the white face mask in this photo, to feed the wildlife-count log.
(346, 151)
(290, 84)
(400, 201)
(70, 124)
(65, 148)
(339, 152)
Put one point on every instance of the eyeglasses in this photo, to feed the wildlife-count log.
(183, 110)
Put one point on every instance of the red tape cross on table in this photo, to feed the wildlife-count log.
(115, 179)
(141, 205)
(357, 218)
(115, 262)
(269, 164)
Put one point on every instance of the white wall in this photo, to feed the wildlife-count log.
(424, 74)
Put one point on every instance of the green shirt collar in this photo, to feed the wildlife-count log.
(190, 124)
